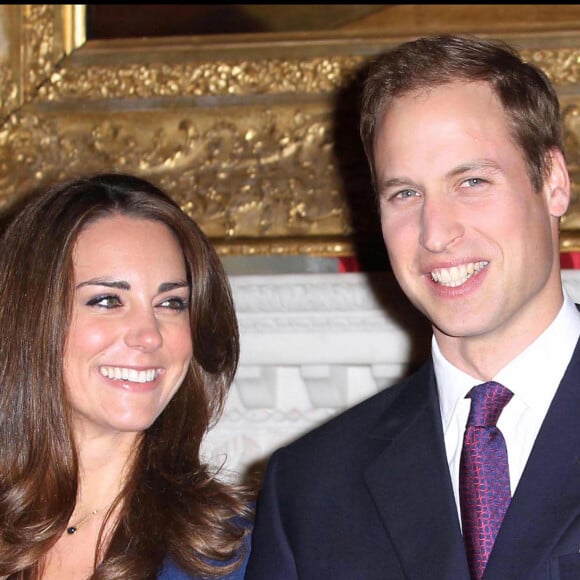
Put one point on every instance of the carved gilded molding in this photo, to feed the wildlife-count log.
(561, 65)
(8, 90)
(34, 38)
(253, 175)
(9, 59)
(255, 144)
(245, 78)
(220, 78)
(40, 45)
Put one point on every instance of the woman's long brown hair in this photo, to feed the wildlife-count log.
(173, 505)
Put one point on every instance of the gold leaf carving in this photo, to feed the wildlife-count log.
(562, 65)
(8, 90)
(571, 128)
(310, 246)
(220, 78)
(256, 175)
(38, 45)
(260, 77)
(253, 148)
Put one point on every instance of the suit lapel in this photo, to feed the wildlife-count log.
(547, 498)
(411, 485)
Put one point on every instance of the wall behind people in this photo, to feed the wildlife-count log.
(256, 138)
(254, 132)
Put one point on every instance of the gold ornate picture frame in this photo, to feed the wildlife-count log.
(255, 137)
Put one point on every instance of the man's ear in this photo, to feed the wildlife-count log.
(557, 184)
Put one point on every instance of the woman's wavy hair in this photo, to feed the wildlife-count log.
(525, 92)
(173, 505)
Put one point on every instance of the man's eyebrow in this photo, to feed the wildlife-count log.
(398, 182)
(478, 164)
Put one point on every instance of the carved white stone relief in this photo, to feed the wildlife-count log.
(313, 345)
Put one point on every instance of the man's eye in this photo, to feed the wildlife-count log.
(175, 304)
(406, 193)
(473, 181)
(105, 301)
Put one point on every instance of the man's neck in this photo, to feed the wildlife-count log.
(483, 356)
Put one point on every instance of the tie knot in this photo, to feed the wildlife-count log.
(487, 403)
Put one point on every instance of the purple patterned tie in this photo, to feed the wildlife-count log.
(484, 479)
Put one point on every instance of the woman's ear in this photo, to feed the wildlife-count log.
(557, 184)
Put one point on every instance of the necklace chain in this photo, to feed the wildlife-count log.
(72, 529)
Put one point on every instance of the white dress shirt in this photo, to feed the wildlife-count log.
(533, 377)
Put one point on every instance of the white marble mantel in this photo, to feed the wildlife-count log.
(313, 345)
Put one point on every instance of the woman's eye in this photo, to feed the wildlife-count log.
(106, 301)
(174, 304)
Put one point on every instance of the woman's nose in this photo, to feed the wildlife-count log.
(143, 332)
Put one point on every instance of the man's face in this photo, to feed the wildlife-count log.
(473, 246)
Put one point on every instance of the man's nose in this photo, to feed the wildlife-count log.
(440, 224)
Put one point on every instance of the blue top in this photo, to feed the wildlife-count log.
(170, 570)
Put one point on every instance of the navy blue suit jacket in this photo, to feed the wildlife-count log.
(368, 496)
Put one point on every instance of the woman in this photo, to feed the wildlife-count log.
(119, 345)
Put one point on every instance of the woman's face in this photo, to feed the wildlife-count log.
(129, 343)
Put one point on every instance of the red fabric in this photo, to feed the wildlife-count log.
(570, 260)
(348, 264)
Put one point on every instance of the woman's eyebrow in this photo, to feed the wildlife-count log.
(119, 284)
(123, 285)
(168, 286)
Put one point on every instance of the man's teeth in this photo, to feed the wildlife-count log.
(132, 375)
(457, 275)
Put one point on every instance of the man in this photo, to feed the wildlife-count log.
(465, 148)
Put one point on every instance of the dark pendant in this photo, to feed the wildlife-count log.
(71, 530)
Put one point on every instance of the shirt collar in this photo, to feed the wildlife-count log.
(527, 375)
